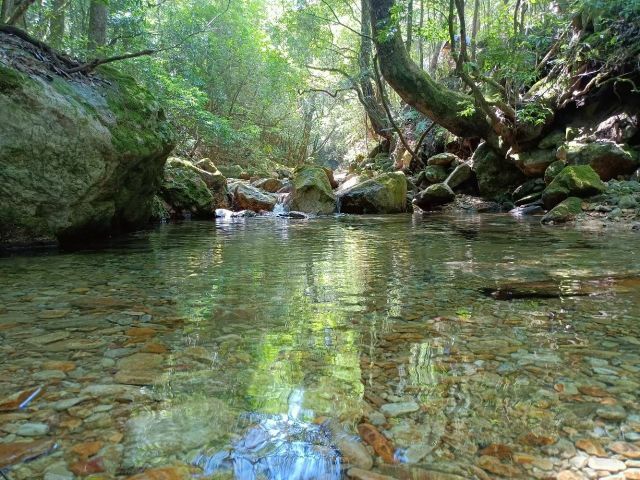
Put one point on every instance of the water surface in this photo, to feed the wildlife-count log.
(244, 348)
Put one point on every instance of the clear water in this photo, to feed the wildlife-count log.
(257, 334)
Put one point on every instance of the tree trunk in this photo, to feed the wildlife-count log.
(474, 30)
(7, 8)
(97, 35)
(446, 107)
(56, 23)
(409, 26)
(367, 94)
(420, 38)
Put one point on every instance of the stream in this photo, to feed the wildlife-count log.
(257, 348)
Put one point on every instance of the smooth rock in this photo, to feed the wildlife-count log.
(397, 409)
(607, 464)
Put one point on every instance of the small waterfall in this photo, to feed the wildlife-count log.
(281, 208)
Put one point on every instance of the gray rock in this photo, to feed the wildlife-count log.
(32, 429)
(400, 408)
(460, 174)
(433, 196)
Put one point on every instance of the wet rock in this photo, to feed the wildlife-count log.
(628, 450)
(378, 442)
(607, 464)
(87, 467)
(495, 466)
(385, 193)
(591, 446)
(443, 159)
(248, 197)
(632, 474)
(497, 450)
(573, 181)
(360, 474)
(164, 473)
(460, 175)
(20, 399)
(564, 212)
(397, 409)
(569, 475)
(614, 413)
(74, 344)
(58, 471)
(14, 453)
(50, 337)
(32, 429)
(434, 196)
(353, 452)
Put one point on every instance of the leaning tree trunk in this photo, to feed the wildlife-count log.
(444, 106)
(97, 35)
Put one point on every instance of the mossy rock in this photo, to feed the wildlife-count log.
(435, 173)
(79, 158)
(232, 171)
(553, 170)
(185, 190)
(434, 196)
(312, 191)
(565, 211)
(608, 159)
(495, 175)
(573, 181)
(443, 159)
(385, 193)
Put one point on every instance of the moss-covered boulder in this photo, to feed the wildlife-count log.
(534, 163)
(443, 159)
(495, 174)
(435, 173)
(216, 182)
(79, 156)
(607, 158)
(573, 181)
(461, 174)
(434, 196)
(385, 193)
(312, 191)
(185, 191)
(232, 171)
(553, 170)
(564, 212)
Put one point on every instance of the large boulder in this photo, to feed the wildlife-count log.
(271, 185)
(312, 191)
(248, 197)
(553, 170)
(185, 191)
(496, 176)
(534, 163)
(573, 181)
(434, 196)
(232, 171)
(443, 159)
(79, 156)
(435, 173)
(607, 158)
(385, 193)
(461, 174)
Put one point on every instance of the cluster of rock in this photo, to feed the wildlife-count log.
(200, 190)
(559, 175)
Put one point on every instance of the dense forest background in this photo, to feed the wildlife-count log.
(262, 82)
